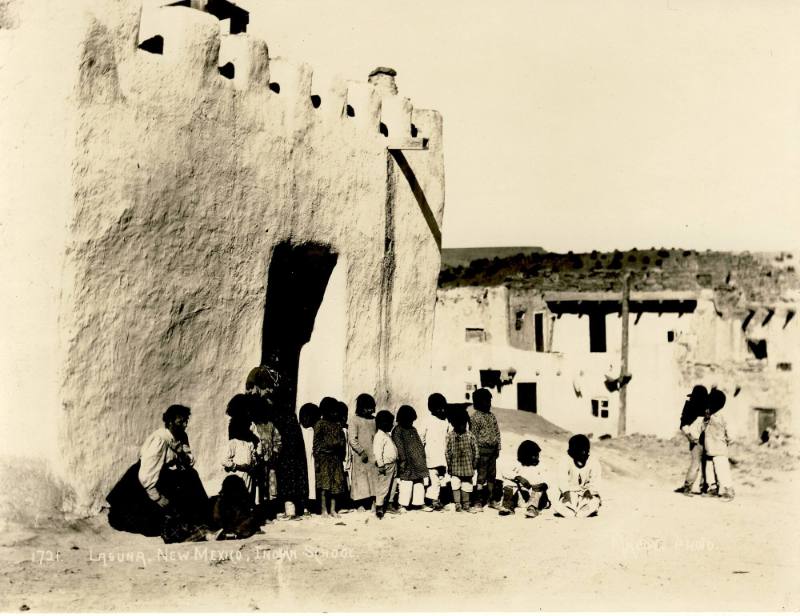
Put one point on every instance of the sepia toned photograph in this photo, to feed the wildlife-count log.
(371, 306)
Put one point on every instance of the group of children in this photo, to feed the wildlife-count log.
(390, 464)
(704, 426)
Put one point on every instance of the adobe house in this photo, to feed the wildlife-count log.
(186, 206)
(544, 331)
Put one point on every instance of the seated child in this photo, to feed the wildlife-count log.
(385, 453)
(578, 481)
(716, 444)
(412, 467)
(240, 458)
(524, 483)
(461, 454)
(232, 510)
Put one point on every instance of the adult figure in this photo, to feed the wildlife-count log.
(291, 468)
(161, 494)
(692, 416)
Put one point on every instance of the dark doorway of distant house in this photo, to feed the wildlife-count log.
(526, 397)
(296, 283)
(538, 329)
(767, 419)
(597, 332)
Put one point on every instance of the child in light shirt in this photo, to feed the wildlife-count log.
(524, 483)
(716, 444)
(433, 432)
(385, 453)
(578, 481)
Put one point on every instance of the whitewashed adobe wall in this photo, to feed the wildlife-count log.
(704, 348)
(148, 192)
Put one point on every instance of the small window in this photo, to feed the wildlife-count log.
(784, 366)
(600, 407)
(758, 348)
(519, 318)
(475, 334)
(704, 280)
(671, 336)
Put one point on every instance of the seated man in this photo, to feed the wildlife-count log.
(578, 481)
(524, 483)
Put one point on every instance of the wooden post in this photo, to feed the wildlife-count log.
(623, 389)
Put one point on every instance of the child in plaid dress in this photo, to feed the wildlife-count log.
(461, 453)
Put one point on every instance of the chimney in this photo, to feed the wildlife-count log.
(382, 78)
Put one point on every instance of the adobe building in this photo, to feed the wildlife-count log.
(544, 331)
(182, 205)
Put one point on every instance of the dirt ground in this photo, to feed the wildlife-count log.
(649, 549)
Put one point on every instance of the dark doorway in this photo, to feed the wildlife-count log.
(767, 420)
(597, 332)
(296, 283)
(538, 329)
(526, 397)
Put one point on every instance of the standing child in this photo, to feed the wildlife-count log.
(329, 450)
(484, 426)
(240, 457)
(433, 433)
(525, 482)
(385, 453)
(412, 469)
(361, 432)
(578, 481)
(692, 425)
(308, 417)
(716, 444)
(461, 454)
(267, 451)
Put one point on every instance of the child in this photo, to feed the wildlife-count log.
(240, 458)
(692, 425)
(232, 510)
(578, 481)
(385, 453)
(716, 444)
(484, 426)
(525, 482)
(461, 454)
(412, 469)
(433, 433)
(344, 501)
(361, 432)
(329, 451)
(308, 417)
(268, 449)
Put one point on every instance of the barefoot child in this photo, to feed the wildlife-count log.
(385, 453)
(524, 483)
(412, 469)
(578, 481)
(461, 454)
(329, 451)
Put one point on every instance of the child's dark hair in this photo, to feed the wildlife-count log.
(716, 400)
(341, 413)
(239, 406)
(406, 415)
(328, 408)
(459, 419)
(239, 428)
(364, 402)
(384, 421)
(579, 442)
(308, 414)
(437, 402)
(482, 399)
(527, 450)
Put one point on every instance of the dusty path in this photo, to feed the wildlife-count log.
(649, 550)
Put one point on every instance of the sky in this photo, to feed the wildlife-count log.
(580, 125)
